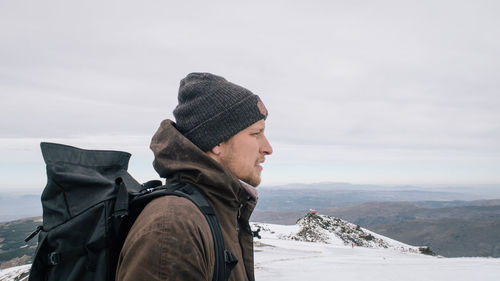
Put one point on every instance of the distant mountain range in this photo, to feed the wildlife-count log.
(462, 229)
(296, 197)
(13, 250)
(302, 197)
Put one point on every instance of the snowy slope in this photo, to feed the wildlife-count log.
(17, 273)
(293, 260)
(284, 253)
(334, 231)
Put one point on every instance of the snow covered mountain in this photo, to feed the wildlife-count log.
(320, 248)
(334, 231)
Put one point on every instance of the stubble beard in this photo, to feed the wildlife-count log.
(253, 178)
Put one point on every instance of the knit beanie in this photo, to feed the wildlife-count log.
(211, 110)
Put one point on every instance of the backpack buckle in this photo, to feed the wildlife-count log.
(54, 258)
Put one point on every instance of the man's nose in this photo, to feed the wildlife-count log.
(266, 147)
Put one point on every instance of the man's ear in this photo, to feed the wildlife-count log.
(216, 150)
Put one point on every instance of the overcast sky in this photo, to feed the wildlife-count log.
(383, 92)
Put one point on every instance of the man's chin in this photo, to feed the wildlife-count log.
(253, 181)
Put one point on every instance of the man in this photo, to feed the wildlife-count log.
(218, 144)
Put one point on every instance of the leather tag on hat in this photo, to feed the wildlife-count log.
(262, 108)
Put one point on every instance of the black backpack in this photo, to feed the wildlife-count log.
(89, 205)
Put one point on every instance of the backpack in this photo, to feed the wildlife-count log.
(89, 204)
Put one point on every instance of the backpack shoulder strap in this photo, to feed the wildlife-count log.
(192, 193)
(224, 259)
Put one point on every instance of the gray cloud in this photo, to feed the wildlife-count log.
(394, 80)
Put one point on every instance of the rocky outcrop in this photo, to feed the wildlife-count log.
(314, 227)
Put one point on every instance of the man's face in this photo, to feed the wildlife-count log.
(243, 153)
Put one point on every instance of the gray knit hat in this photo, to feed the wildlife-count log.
(211, 110)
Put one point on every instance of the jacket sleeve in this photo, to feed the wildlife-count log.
(170, 240)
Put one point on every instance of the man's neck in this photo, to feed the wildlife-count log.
(250, 189)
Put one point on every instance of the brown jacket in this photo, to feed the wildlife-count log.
(171, 239)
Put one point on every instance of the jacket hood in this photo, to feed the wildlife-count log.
(178, 159)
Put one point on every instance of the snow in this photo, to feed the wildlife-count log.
(278, 258)
(333, 231)
(11, 273)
